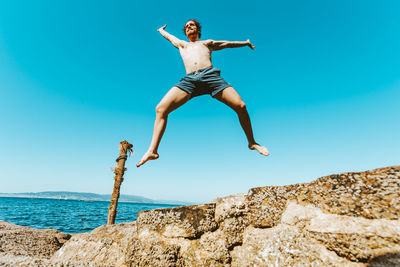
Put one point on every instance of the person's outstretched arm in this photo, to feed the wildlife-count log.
(175, 41)
(218, 45)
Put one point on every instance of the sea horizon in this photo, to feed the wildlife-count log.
(88, 196)
(67, 215)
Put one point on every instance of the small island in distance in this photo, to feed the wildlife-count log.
(65, 195)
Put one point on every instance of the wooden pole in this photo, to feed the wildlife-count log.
(124, 148)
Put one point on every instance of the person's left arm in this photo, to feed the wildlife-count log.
(218, 45)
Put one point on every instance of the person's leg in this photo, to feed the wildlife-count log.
(171, 101)
(230, 97)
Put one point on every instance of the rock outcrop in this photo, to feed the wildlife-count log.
(24, 246)
(350, 219)
(25, 241)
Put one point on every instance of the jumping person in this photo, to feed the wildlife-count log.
(202, 78)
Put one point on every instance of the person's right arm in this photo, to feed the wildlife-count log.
(175, 41)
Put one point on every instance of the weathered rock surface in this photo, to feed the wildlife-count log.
(350, 219)
(187, 221)
(24, 241)
(24, 246)
(283, 245)
(110, 244)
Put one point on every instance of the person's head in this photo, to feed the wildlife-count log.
(192, 28)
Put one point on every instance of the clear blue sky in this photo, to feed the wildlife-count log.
(77, 77)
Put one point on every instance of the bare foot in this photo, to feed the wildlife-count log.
(146, 157)
(263, 150)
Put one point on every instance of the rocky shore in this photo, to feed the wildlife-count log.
(349, 219)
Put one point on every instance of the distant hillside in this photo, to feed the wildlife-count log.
(89, 197)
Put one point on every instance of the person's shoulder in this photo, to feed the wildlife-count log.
(207, 42)
(182, 44)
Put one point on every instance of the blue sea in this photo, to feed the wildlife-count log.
(68, 216)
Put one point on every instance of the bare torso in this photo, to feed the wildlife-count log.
(195, 55)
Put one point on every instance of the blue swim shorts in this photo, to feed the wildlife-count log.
(203, 81)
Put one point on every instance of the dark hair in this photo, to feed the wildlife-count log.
(197, 25)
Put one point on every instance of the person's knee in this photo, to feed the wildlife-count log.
(161, 110)
(240, 107)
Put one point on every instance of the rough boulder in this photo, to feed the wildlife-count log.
(349, 219)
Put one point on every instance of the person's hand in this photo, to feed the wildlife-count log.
(162, 28)
(250, 44)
